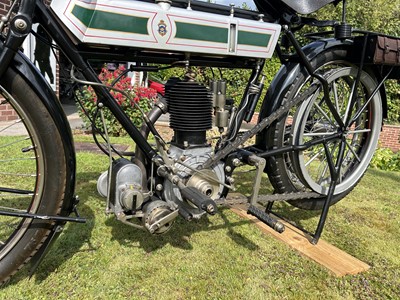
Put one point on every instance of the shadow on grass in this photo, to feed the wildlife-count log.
(180, 233)
(304, 219)
(70, 242)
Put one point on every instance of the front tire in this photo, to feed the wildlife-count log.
(33, 173)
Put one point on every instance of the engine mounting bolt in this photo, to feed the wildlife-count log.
(230, 179)
(228, 168)
(159, 187)
(210, 208)
(185, 144)
(182, 158)
(236, 162)
(175, 179)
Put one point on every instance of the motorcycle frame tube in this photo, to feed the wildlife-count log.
(78, 53)
(55, 30)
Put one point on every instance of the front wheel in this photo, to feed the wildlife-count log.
(312, 120)
(32, 171)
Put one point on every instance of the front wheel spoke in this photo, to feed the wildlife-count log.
(11, 125)
(15, 195)
(16, 191)
(17, 159)
(15, 142)
(11, 209)
(17, 174)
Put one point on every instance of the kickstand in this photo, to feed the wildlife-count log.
(335, 174)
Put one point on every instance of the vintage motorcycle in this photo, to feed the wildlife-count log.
(317, 129)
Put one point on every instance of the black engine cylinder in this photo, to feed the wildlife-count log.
(190, 109)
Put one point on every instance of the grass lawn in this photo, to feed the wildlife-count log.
(218, 257)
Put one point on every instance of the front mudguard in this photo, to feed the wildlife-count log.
(24, 67)
(291, 70)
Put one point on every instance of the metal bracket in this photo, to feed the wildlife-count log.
(259, 163)
(168, 218)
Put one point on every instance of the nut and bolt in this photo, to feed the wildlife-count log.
(230, 179)
(175, 179)
(210, 208)
(21, 24)
(236, 162)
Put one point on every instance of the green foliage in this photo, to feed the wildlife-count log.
(374, 15)
(137, 96)
(393, 93)
(385, 159)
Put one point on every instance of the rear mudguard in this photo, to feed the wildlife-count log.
(24, 67)
(290, 70)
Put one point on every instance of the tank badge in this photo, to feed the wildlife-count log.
(162, 28)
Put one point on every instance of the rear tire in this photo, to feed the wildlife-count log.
(33, 173)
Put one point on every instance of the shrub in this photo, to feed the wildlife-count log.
(386, 159)
(141, 96)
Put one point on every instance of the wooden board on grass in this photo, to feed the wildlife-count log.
(327, 255)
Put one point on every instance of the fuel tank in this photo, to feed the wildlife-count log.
(160, 26)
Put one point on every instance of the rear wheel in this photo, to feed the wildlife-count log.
(32, 172)
(299, 171)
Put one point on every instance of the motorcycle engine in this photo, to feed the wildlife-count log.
(190, 107)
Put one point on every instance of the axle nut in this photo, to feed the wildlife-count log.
(21, 25)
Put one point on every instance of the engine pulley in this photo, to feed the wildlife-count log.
(158, 217)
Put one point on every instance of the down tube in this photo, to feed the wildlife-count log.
(53, 27)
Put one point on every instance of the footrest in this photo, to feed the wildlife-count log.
(266, 218)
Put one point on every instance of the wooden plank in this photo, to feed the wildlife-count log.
(327, 255)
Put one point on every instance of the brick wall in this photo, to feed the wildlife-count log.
(390, 137)
(4, 4)
(7, 113)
